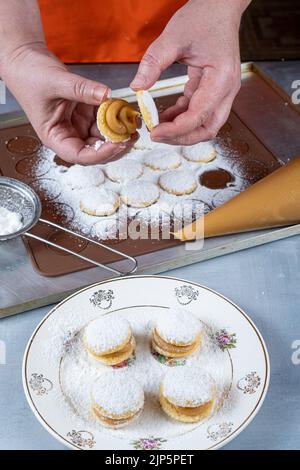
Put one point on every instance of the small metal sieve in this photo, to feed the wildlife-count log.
(18, 197)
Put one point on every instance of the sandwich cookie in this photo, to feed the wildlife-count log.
(82, 177)
(117, 120)
(187, 394)
(178, 182)
(162, 160)
(116, 400)
(124, 170)
(177, 334)
(204, 152)
(139, 194)
(100, 202)
(148, 109)
(109, 340)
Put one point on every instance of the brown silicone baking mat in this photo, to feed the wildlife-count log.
(250, 147)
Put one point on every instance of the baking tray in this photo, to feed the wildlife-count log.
(263, 133)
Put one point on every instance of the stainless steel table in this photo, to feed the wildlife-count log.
(264, 281)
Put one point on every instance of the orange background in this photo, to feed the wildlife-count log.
(104, 31)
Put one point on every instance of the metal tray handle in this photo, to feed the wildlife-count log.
(84, 258)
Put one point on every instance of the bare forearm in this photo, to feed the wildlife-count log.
(20, 27)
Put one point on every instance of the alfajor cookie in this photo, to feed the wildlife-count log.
(83, 177)
(148, 108)
(162, 159)
(100, 202)
(204, 152)
(139, 194)
(116, 400)
(117, 120)
(124, 170)
(178, 182)
(177, 333)
(187, 394)
(109, 340)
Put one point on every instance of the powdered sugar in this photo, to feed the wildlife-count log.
(82, 177)
(78, 372)
(162, 159)
(202, 152)
(10, 222)
(105, 334)
(188, 386)
(178, 182)
(124, 170)
(139, 194)
(54, 186)
(99, 202)
(178, 326)
(117, 394)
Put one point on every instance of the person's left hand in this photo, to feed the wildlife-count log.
(205, 36)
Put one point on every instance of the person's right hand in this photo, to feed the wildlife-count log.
(60, 105)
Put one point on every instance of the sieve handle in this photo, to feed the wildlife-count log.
(84, 258)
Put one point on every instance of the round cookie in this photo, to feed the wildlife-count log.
(117, 120)
(178, 182)
(107, 335)
(161, 160)
(83, 177)
(100, 202)
(116, 400)
(177, 333)
(148, 109)
(139, 194)
(187, 394)
(124, 170)
(204, 152)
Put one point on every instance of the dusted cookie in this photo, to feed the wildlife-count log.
(109, 339)
(117, 120)
(83, 177)
(161, 160)
(139, 194)
(148, 109)
(100, 202)
(200, 153)
(178, 182)
(177, 333)
(124, 170)
(187, 394)
(116, 400)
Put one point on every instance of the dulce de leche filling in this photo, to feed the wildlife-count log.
(120, 117)
(171, 348)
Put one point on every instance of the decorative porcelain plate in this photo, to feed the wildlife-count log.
(58, 373)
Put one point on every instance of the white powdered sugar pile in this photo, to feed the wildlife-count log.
(188, 386)
(117, 394)
(107, 333)
(178, 326)
(55, 187)
(79, 372)
(10, 222)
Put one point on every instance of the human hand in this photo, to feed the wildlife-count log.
(205, 36)
(60, 105)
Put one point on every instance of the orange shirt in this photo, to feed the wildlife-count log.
(104, 31)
